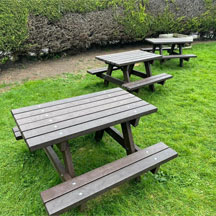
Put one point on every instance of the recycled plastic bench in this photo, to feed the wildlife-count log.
(54, 123)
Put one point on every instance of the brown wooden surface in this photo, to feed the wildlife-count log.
(148, 81)
(186, 56)
(150, 49)
(97, 173)
(128, 58)
(99, 70)
(17, 133)
(56, 122)
(110, 176)
(64, 101)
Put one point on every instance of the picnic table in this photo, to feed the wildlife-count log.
(125, 61)
(175, 43)
(55, 123)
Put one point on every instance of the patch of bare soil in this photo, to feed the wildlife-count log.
(79, 63)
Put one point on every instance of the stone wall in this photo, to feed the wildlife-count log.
(80, 31)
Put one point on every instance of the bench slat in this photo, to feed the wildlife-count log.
(147, 81)
(97, 173)
(149, 49)
(17, 133)
(99, 70)
(101, 185)
(179, 56)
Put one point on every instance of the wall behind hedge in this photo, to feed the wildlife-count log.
(48, 26)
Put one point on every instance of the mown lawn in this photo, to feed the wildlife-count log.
(185, 121)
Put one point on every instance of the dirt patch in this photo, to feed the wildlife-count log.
(79, 63)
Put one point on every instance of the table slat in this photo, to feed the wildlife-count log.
(78, 121)
(67, 100)
(71, 113)
(88, 127)
(86, 102)
(170, 40)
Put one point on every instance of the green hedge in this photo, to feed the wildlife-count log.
(14, 18)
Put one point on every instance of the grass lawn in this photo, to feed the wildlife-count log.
(185, 121)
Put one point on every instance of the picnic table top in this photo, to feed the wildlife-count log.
(127, 58)
(54, 122)
(170, 40)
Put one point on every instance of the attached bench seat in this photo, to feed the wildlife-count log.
(17, 133)
(160, 78)
(184, 57)
(82, 188)
(99, 70)
(150, 49)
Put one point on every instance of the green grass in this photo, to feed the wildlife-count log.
(185, 121)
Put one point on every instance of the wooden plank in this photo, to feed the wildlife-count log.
(116, 135)
(71, 113)
(138, 73)
(126, 74)
(99, 135)
(67, 100)
(99, 70)
(170, 40)
(85, 102)
(57, 164)
(108, 73)
(128, 137)
(179, 56)
(126, 58)
(74, 198)
(81, 120)
(97, 173)
(17, 133)
(88, 127)
(155, 77)
(65, 149)
(150, 49)
(147, 81)
(149, 74)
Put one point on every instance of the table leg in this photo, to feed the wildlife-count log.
(130, 69)
(180, 53)
(128, 138)
(161, 53)
(65, 149)
(57, 164)
(125, 70)
(149, 73)
(172, 49)
(109, 72)
(99, 135)
(154, 48)
(128, 141)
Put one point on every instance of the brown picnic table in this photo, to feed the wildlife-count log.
(55, 123)
(176, 43)
(125, 61)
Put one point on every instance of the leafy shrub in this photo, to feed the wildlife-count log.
(133, 16)
(13, 25)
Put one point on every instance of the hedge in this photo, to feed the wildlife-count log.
(137, 22)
